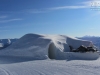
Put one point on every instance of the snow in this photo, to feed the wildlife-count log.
(1, 45)
(35, 54)
(49, 67)
(40, 46)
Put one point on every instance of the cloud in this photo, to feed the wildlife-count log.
(78, 6)
(45, 10)
(68, 7)
(92, 3)
(2, 27)
(85, 4)
(37, 10)
(94, 6)
(10, 20)
(82, 5)
(55, 8)
(2, 17)
(3, 30)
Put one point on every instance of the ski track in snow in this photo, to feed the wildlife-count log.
(51, 67)
(3, 72)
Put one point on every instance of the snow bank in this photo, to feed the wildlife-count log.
(44, 46)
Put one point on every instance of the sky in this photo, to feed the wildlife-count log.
(65, 17)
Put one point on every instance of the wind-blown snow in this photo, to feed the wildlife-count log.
(22, 57)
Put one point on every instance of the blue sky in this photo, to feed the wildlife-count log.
(68, 17)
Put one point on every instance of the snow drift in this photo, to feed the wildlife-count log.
(47, 46)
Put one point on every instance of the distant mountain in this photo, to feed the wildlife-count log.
(94, 39)
(6, 42)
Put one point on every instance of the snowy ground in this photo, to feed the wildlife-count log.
(28, 66)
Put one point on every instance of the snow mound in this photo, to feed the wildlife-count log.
(47, 46)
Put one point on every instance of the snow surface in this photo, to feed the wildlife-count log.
(27, 66)
(25, 57)
(1, 44)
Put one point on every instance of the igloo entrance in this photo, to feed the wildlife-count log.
(51, 51)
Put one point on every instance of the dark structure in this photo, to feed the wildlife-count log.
(83, 48)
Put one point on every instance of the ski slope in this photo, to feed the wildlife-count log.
(48, 67)
(35, 54)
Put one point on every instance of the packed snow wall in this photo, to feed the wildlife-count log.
(43, 46)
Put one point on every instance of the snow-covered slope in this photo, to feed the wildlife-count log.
(45, 46)
(23, 66)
